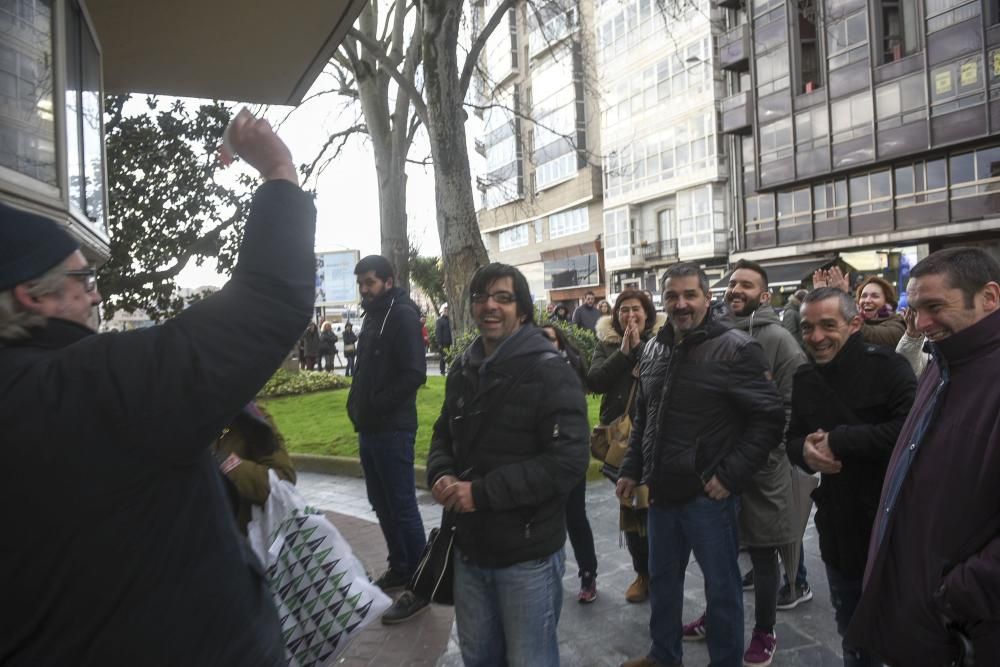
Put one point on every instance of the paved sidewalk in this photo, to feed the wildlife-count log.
(601, 634)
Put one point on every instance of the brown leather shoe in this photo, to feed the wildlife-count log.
(638, 590)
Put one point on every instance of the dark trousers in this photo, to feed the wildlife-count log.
(845, 592)
(387, 460)
(638, 546)
(578, 527)
(443, 351)
(765, 585)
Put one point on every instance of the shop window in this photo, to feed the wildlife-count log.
(84, 112)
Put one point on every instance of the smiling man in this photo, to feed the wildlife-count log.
(510, 444)
(934, 559)
(707, 414)
(847, 409)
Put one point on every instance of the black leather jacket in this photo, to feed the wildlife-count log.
(706, 406)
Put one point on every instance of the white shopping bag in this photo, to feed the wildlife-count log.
(322, 592)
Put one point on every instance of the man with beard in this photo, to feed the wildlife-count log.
(382, 404)
(706, 416)
(847, 409)
(586, 314)
(766, 513)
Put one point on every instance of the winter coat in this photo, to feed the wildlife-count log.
(765, 509)
(523, 448)
(120, 546)
(254, 439)
(328, 342)
(884, 331)
(350, 341)
(791, 316)
(610, 371)
(940, 551)
(310, 342)
(706, 406)
(586, 316)
(390, 368)
(442, 332)
(861, 399)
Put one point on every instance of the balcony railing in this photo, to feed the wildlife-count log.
(734, 49)
(665, 249)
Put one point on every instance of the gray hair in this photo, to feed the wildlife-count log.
(848, 308)
(684, 270)
(15, 321)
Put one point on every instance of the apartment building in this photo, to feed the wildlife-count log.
(540, 207)
(864, 131)
(666, 189)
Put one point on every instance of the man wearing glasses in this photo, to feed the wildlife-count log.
(510, 444)
(120, 545)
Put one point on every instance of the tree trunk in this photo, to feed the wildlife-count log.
(392, 214)
(462, 246)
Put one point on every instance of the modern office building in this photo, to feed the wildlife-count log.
(540, 206)
(666, 190)
(58, 58)
(868, 131)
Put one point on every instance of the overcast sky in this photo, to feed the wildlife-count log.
(347, 192)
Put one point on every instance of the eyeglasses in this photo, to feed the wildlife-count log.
(502, 298)
(87, 276)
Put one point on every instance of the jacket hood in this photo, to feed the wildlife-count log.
(763, 316)
(606, 333)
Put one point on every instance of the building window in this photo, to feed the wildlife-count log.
(550, 22)
(852, 117)
(27, 130)
(810, 66)
(515, 237)
(579, 271)
(829, 200)
(897, 27)
(84, 116)
(568, 222)
(812, 128)
(847, 37)
(900, 102)
(975, 173)
(871, 193)
(920, 183)
(793, 208)
(694, 217)
(760, 213)
(944, 13)
(776, 141)
(617, 237)
(957, 85)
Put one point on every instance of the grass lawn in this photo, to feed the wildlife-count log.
(318, 423)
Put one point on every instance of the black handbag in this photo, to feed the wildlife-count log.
(433, 578)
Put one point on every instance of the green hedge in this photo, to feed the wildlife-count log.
(287, 383)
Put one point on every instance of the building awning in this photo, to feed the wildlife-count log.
(264, 52)
(785, 274)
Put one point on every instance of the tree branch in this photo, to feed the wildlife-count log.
(404, 84)
(342, 137)
(480, 42)
(204, 245)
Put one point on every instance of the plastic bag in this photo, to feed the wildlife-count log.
(321, 590)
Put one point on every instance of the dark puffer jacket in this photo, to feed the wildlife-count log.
(714, 390)
(610, 371)
(861, 399)
(522, 447)
(391, 366)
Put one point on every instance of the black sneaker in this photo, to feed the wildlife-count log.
(391, 580)
(790, 599)
(404, 608)
(748, 581)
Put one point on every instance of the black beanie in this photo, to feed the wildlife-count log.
(30, 245)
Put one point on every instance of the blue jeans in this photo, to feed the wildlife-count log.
(845, 592)
(710, 528)
(387, 459)
(508, 615)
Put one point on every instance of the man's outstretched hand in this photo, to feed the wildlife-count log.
(254, 140)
